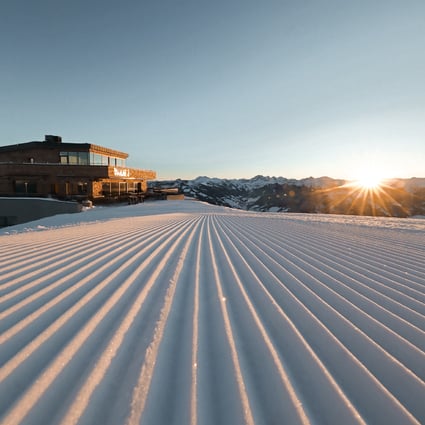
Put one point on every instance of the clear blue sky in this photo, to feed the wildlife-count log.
(224, 88)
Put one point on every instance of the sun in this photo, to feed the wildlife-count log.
(369, 180)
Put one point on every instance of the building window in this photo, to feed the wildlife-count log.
(99, 159)
(83, 158)
(74, 158)
(90, 158)
(25, 186)
(82, 188)
(116, 162)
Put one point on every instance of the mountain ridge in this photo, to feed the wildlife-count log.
(395, 197)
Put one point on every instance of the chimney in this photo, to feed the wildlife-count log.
(49, 138)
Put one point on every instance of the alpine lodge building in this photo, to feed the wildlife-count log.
(69, 171)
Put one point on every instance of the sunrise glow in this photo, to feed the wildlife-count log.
(368, 180)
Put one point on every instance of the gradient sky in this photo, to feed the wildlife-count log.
(223, 88)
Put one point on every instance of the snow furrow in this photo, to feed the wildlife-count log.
(288, 385)
(338, 250)
(246, 407)
(291, 286)
(22, 259)
(360, 244)
(36, 391)
(344, 285)
(97, 374)
(195, 333)
(70, 249)
(86, 254)
(181, 312)
(89, 277)
(142, 387)
(361, 279)
(378, 331)
(397, 265)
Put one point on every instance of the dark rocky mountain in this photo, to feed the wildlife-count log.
(397, 197)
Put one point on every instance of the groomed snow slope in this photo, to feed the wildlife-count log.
(185, 313)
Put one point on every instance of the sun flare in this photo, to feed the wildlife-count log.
(369, 181)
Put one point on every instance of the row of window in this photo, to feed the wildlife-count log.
(117, 188)
(90, 158)
(25, 186)
(108, 188)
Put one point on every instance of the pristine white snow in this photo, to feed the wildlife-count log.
(185, 313)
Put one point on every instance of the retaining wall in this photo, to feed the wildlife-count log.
(21, 210)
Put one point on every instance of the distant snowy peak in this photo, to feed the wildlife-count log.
(322, 182)
(254, 182)
(259, 181)
(259, 193)
(308, 195)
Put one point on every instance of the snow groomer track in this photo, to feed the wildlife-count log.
(184, 313)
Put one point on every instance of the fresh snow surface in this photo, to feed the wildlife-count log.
(185, 313)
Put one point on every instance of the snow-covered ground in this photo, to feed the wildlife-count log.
(186, 313)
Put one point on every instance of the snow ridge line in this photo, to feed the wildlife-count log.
(73, 246)
(322, 376)
(111, 247)
(49, 254)
(54, 269)
(346, 254)
(141, 390)
(330, 292)
(393, 259)
(297, 404)
(247, 411)
(25, 250)
(195, 334)
(70, 249)
(95, 377)
(304, 251)
(243, 302)
(416, 382)
(21, 409)
(106, 264)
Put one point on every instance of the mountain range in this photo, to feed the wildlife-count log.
(395, 197)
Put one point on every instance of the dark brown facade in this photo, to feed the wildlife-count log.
(68, 171)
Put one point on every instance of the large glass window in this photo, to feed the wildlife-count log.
(115, 188)
(83, 158)
(74, 158)
(95, 159)
(116, 162)
(98, 159)
(86, 158)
